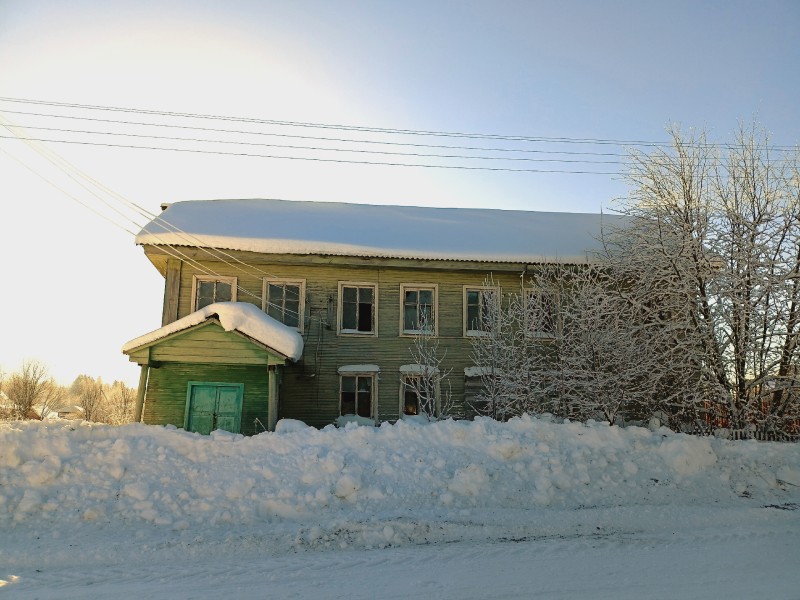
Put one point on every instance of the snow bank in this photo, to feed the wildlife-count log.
(171, 478)
(239, 316)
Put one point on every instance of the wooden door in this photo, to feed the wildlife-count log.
(211, 406)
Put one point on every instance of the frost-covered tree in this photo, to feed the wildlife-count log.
(90, 397)
(119, 403)
(429, 383)
(691, 311)
(714, 246)
(567, 343)
(31, 391)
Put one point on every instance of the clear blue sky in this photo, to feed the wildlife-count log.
(75, 287)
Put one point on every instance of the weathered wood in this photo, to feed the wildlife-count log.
(171, 291)
(309, 389)
(159, 257)
(140, 393)
(168, 385)
(272, 409)
(207, 342)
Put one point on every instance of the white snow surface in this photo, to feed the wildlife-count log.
(524, 509)
(233, 316)
(334, 228)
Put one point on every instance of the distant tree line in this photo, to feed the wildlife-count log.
(691, 313)
(32, 393)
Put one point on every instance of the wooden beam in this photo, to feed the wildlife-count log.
(172, 288)
(137, 412)
(272, 402)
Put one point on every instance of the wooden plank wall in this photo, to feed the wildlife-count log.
(166, 392)
(309, 389)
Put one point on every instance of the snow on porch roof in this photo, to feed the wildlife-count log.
(334, 228)
(233, 316)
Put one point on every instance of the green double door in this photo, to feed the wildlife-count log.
(211, 406)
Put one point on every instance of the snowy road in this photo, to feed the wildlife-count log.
(673, 555)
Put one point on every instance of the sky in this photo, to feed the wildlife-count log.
(75, 286)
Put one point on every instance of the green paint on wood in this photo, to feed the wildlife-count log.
(309, 389)
(211, 406)
(166, 400)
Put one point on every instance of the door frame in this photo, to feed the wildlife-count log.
(191, 384)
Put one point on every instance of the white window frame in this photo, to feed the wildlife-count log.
(196, 279)
(370, 371)
(434, 287)
(468, 288)
(340, 312)
(298, 282)
(415, 371)
(528, 293)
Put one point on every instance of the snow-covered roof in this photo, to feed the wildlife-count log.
(333, 228)
(233, 316)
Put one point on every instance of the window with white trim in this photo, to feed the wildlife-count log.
(209, 289)
(356, 394)
(418, 309)
(284, 301)
(540, 313)
(420, 391)
(358, 308)
(479, 308)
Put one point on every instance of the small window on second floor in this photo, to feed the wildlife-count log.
(358, 308)
(478, 308)
(208, 290)
(283, 300)
(418, 309)
(540, 313)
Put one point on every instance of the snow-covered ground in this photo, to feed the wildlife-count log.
(525, 509)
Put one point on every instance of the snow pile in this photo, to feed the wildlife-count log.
(316, 480)
(233, 316)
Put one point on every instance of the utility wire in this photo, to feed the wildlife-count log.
(321, 148)
(342, 127)
(313, 159)
(316, 137)
(80, 178)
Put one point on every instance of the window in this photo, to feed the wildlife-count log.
(284, 301)
(419, 390)
(418, 311)
(478, 308)
(358, 302)
(355, 396)
(410, 396)
(418, 396)
(208, 290)
(540, 313)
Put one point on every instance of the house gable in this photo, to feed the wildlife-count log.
(207, 342)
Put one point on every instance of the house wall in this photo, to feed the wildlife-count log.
(310, 388)
(168, 384)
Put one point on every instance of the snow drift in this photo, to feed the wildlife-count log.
(81, 472)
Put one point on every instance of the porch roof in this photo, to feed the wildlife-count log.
(242, 317)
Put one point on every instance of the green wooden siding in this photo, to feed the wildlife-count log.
(309, 389)
(209, 344)
(165, 403)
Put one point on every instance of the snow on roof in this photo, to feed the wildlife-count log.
(333, 228)
(239, 316)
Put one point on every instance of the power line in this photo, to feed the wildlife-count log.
(313, 159)
(318, 138)
(358, 128)
(320, 148)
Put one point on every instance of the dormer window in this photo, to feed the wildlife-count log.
(209, 289)
(284, 301)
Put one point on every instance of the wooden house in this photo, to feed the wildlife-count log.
(309, 310)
